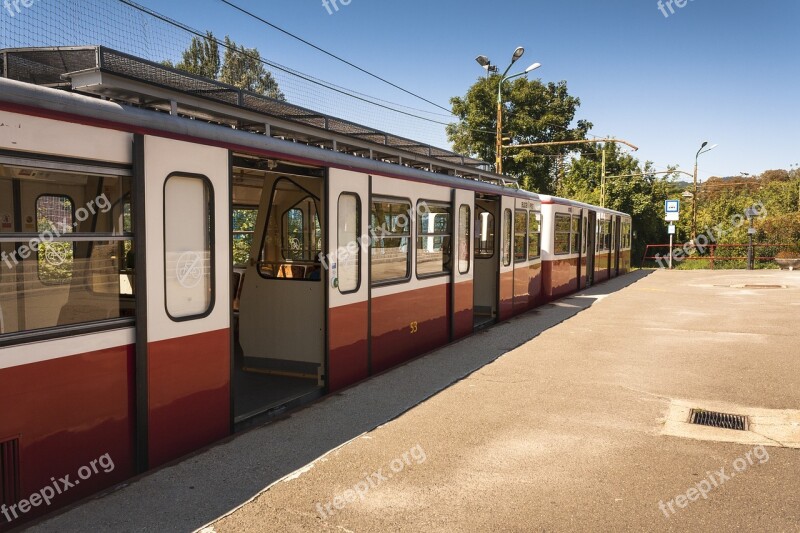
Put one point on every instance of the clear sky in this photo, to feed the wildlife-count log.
(725, 71)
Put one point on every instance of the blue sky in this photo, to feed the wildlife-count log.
(725, 71)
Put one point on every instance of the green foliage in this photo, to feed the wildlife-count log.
(641, 194)
(533, 112)
(244, 224)
(202, 57)
(241, 67)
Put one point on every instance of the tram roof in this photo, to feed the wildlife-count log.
(101, 71)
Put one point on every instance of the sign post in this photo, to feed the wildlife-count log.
(672, 209)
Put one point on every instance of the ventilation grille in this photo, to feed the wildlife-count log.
(718, 420)
(9, 472)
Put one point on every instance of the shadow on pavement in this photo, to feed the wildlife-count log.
(203, 487)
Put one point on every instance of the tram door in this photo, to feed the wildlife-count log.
(347, 277)
(617, 234)
(184, 338)
(279, 359)
(591, 236)
(463, 268)
(486, 265)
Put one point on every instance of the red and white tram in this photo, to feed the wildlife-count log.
(179, 257)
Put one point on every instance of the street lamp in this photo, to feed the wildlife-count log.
(485, 63)
(514, 58)
(702, 150)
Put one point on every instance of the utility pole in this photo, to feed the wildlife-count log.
(603, 179)
(583, 141)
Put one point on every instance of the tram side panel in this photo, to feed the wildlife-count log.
(602, 260)
(562, 250)
(347, 266)
(506, 248)
(463, 263)
(411, 233)
(66, 395)
(188, 289)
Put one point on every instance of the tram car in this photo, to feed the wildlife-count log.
(179, 258)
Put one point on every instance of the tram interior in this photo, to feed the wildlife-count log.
(65, 248)
(279, 298)
(487, 263)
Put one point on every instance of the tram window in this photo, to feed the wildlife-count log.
(585, 234)
(348, 255)
(484, 233)
(520, 235)
(293, 235)
(561, 230)
(244, 224)
(63, 242)
(293, 238)
(434, 233)
(464, 244)
(507, 237)
(390, 230)
(535, 235)
(55, 214)
(575, 230)
(188, 246)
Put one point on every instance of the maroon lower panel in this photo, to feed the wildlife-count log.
(583, 273)
(521, 289)
(559, 278)
(602, 262)
(506, 310)
(535, 285)
(408, 324)
(189, 384)
(66, 413)
(348, 345)
(464, 301)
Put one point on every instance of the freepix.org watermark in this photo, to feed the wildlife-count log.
(666, 6)
(359, 491)
(58, 486)
(15, 7)
(101, 204)
(713, 481)
(332, 6)
(350, 250)
(710, 236)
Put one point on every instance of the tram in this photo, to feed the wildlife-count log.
(179, 257)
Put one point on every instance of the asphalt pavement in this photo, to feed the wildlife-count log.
(553, 421)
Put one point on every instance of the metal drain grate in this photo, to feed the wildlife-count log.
(718, 420)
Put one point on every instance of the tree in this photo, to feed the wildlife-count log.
(243, 68)
(642, 195)
(202, 57)
(533, 112)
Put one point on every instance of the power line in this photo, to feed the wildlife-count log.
(271, 64)
(312, 45)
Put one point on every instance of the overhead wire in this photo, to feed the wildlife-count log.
(331, 54)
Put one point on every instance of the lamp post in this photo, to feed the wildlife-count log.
(485, 63)
(702, 150)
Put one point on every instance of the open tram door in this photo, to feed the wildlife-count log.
(486, 264)
(279, 345)
(617, 241)
(591, 236)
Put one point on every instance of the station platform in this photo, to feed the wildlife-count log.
(567, 418)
